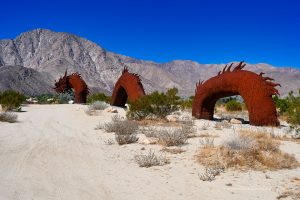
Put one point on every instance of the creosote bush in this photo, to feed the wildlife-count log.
(233, 105)
(150, 159)
(248, 150)
(11, 100)
(8, 117)
(155, 105)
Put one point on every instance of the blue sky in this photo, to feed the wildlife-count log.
(206, 31)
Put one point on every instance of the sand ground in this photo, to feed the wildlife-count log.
(54, 152)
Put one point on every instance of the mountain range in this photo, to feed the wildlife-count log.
(31, 63)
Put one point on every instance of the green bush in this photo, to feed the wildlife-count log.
(233, 105)
(11, 100)
(98, 97)
(63, 98)
(282, 104)
(293, 111)
(187, 103)
(157, 105)
(47, 99)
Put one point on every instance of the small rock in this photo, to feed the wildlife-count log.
(111, 110)
(235, 121)
(146, 140)
(172, 118)
(70, 102)
(143, 148)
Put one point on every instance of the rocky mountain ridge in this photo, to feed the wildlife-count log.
(47, 54)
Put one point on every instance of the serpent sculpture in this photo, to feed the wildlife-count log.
(76, 82)
(128, 86)
(255, 89)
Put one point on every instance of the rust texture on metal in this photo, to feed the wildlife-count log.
(75, 81)
(255, 89)
(129, 86)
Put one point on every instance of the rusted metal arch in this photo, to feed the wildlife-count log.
(255, 89)
(129, 86)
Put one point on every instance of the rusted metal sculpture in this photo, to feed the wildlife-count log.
(128, 86)
(76, 82)
(255, 89)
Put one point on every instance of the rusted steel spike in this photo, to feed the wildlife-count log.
(276, 92)
(268, 78)
(228, 69)
(273, 84)
(202, 82)
(261, 74)
(242, 66)
(125, 70)
(239, 66)
(224, 69)
(219, 73)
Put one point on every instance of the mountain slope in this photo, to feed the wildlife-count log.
(50, 53)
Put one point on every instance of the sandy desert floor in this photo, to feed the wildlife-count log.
(54, 152)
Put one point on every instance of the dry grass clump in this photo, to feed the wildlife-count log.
(248, 150)
(8, 117)
(211, 172)
(125, 130)
(150, 159)
(172, 137)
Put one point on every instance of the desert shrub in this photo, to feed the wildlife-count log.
(11, 99)
(282, 104)
(125, 130)
(157, 105)
(172, 137)
(211, 172)
(293, 112)
(239, 142)
(187, 103)
(98, 97)
(233, 105)
(96, 105)
(8, 117)
(46, 98)
(150, 159)
(63, 98)
(112, 126)
(262, 153)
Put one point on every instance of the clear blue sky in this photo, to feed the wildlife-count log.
(207, 31)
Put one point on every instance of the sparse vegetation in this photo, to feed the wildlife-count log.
(96, 105)
(155, 105)
(233, 105)
(187, 103)
(11, 100)
(211, 172)
(150, 159)
(248, 150)
(8, 117)
(172, 137)
(125, 130)
(98, 97)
